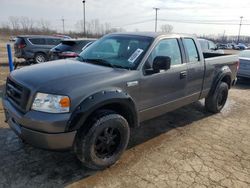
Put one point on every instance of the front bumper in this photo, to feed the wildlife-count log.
(25, 127)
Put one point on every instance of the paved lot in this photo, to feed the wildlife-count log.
(185, 148)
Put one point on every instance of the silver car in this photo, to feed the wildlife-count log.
(244, 68)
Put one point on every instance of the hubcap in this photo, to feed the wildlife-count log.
(107, 142)
(40, 59)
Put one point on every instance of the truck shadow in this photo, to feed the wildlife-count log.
(167, 122)
(23, 165)
(243, 84)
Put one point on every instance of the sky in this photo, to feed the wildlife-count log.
(215, 17)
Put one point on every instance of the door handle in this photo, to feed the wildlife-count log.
(183, 74)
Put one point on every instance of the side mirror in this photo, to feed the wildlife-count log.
(161, 63)
(214, 48)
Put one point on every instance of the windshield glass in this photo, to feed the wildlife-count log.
(123, 51)
(245, 53)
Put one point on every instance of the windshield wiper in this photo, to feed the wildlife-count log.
(101, 62)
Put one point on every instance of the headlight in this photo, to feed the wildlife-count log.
(51, 103)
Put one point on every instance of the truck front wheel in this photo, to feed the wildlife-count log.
(104, 142)
(216, 101)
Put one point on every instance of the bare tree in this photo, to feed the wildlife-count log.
(26, 23)
(5, 25)
(107, 28)
(14, 22)
(166, 28)
(44, 25)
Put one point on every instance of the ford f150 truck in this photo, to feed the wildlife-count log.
(90, 103)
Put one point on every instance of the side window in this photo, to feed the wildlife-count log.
(192, 52)
(37, 41)
(212, 46)
(166, 47)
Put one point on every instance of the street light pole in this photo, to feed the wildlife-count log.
(240, 29)
(63, 20)
(84, 24)
(156, 19)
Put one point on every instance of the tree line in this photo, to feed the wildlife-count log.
(94, 28)
(224, 39)
(25, 25)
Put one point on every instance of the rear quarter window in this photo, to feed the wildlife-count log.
(52, 41)
(191, 49)
(204, 45)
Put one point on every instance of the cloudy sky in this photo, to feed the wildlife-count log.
(186, 16)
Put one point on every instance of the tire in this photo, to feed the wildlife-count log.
(217, 100)
(40, 58)
(104, 142)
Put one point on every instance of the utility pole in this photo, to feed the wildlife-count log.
(63, 20)
(239, 29)
(224, 35)
(156, 19)
(83, 14)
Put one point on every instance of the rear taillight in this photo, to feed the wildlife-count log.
(68, 54)
(20, 46)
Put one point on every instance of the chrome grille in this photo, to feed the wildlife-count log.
(17, 94)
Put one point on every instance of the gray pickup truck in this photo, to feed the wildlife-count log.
(90, 103)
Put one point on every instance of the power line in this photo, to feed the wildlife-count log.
(135, 23)
(200, 22)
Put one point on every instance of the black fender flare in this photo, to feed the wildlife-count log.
(99, 100)
(224, 72)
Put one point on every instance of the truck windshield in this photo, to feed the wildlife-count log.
(123, 51)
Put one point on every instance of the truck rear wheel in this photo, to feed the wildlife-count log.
(104, 142)
(216, 101)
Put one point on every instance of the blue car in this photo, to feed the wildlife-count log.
(241, 46)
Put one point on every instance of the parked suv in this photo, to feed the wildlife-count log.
(69, 48)
(35, 47)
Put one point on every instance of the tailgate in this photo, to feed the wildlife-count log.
(244, 69)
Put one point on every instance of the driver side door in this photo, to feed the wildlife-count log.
(163, 91)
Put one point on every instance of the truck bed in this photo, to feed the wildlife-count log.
(215, 62)
(220, 59)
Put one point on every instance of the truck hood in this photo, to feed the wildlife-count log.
(55, 73)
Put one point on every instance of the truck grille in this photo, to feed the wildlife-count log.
(17, 94)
